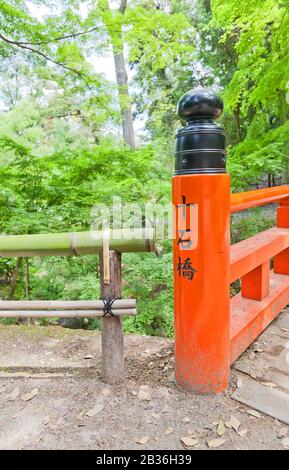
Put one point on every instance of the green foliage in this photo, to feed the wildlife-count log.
(162, 50)
(60, 152)
(57, 193)
(149, 280)
(255, 93)
(248, 223)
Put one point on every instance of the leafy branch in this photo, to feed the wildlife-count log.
(36, 51)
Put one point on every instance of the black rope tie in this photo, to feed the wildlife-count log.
(107, 306)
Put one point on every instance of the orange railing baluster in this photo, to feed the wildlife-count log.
(255, 284)
(281, 260)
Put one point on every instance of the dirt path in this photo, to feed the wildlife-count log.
(73, 409)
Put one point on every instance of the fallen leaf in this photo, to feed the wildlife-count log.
(52, 426)
(30, 395)
(46, 420)
(269, 384)
(239, 382)
(235, 423)
(169, 431)
(38, 439)
(88, 356)
(186, 420)
(254, 413)
(16, 415)
(285, 442)
(143, 440)
(94, 411)
(166, 410)
(221, 428)
(214, 443)
(209, 426)
(144, 393)
(283, 432)
(160, 354)
(242, 432)
(189, 441)
(14, 394)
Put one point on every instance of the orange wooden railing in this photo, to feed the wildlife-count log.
(212, 330)
(258, 197)
(264, 291)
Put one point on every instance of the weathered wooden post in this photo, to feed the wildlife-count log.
(201, 196)
(112, 362)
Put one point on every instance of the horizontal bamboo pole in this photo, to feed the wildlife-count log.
(64, 304)
(64, 313)
(76, 243)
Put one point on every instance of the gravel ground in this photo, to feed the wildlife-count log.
(51, 397)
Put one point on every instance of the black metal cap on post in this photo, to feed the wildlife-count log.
(200, 145)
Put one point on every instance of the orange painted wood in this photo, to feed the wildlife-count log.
(202, 304)
(252, 252)
(281, 262)
(284, 202)
(258, 197)
(255, 284)
(250, 317)
(283, 217)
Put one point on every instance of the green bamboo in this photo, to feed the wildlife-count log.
(76, 243)
(64, 313)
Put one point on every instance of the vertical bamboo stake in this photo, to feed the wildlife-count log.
(105, 259)
(112, 362)
(27, 283)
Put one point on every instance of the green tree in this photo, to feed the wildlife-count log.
(259, 33)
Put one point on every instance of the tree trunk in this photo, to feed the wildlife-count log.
(237, 123)
(120, 71)
(124, 99)
(14, 278)
(269, 180)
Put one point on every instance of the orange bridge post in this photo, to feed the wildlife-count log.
(201, 198)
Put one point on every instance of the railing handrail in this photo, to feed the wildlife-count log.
(257, 197)
(76, 243)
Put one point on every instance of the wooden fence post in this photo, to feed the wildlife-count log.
(201, 196)
(112, 362)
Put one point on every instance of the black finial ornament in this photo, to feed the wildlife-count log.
(200, 145)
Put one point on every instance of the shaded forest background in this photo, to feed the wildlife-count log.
(67, 135)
